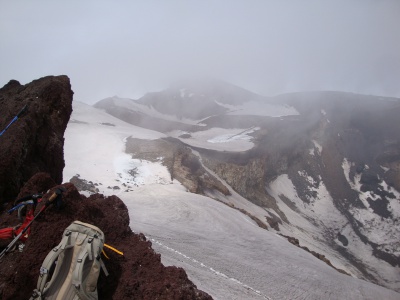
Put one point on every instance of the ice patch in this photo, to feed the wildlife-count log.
(219, 139)
(309, 178)
(385, 169)
(226, 138)
(317, 146)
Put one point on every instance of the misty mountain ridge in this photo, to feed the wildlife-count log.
(196, 100)
(325, 166)
(191, 103)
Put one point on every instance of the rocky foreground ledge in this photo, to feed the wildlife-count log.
(138, 274)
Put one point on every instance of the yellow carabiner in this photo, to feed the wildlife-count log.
(113, 249)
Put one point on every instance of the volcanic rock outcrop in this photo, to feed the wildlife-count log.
(34, 143)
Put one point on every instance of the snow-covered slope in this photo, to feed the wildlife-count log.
(223, 251)
(96, 140)
(319, 218)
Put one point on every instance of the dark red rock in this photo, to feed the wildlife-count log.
(34, 143)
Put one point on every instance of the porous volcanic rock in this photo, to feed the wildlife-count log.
(34, 143)
(138, 274)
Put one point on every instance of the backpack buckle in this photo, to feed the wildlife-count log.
(43, 270)
(36, 294)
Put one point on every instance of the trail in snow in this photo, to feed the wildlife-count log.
(201, 265)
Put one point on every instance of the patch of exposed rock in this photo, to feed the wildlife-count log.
(182, 164)
(83, 185)
(247, 179)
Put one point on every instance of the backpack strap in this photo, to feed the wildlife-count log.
(77, 274)
(103, 266)
(89, 260)
(56, 253)
(52, 256)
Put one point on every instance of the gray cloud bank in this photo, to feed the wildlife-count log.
(127, 48)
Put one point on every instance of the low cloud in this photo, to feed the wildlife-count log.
(270, 47)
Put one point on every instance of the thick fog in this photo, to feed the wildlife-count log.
(127, 48)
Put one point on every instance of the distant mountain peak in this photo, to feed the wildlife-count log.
(215, 88)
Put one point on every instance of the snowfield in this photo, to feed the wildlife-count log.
(223, 251)
(259, 108)
(134, 105)
(219, 139)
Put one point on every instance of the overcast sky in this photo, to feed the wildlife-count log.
(127, 48)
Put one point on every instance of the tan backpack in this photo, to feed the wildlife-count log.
(71, 270)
